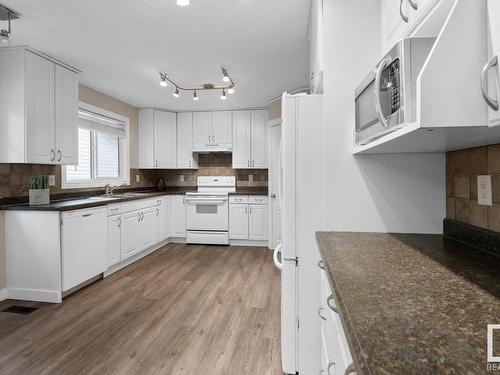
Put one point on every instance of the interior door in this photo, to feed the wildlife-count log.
(222, 127)
(259, 139)
(40, 88)
(165, 139)
(202, 128)
(241, 139)
(66, 116)
(275, 203)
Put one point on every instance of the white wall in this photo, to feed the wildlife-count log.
(374, 193)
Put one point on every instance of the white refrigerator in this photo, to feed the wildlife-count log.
(301, 194)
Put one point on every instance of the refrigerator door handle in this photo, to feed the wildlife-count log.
(277, 263)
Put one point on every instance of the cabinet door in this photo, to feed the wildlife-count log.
(222, 127)
(238, 221)
(178, 216)
(392, 24)
(257, 222)
(130, 234)
(146, 138)
(494, 50)
(185, 157)
(165, 224)
(147, 228)
(165, 139)
(259, 139)
(202, 128)
(40, 109)
(241, 139)
(114, 240)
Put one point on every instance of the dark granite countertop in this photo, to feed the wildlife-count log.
(413, 304)
(88, 202)
(250, 191)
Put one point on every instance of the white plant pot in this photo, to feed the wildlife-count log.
(39, 197)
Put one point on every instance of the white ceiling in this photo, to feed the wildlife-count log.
(120, 45)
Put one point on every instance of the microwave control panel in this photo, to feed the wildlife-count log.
(391, 81)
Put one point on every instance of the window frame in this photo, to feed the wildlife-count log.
(123, 157)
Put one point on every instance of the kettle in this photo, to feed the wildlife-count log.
(161, 185)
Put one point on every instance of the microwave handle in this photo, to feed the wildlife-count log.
(493, 104)
(378, 105)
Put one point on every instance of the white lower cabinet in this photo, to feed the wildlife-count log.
(248, 218)
(178, 216)
(130, 236)
(114, 240)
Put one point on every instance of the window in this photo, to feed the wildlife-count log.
(102, 151)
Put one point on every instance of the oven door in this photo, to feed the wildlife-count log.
(379, 99)
(207, 213)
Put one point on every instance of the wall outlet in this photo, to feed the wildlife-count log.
(250, 177)
(52, 180)
(181, 177)
(137, 178)
(484, 190)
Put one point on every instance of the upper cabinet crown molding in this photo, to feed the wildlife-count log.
(38, 109)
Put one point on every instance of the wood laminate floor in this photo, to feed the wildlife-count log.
(185, 309)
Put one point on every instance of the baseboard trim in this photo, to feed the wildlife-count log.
(247, 243)
(3, 294)
(39, 295)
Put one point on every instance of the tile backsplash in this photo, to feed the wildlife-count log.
(462, 169)
(14, 177)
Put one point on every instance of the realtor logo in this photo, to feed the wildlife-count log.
(493, 360)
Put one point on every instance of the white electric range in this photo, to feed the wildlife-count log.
(207, 210)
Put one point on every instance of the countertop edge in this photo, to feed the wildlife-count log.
(359, 359)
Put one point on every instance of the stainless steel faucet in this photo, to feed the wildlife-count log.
(110, 189)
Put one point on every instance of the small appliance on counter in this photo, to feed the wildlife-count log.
(160, 185)
(207, 210)
(385, 100)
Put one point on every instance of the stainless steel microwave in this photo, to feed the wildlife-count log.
(386, 99)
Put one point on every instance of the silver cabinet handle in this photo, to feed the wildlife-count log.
(139, 215)
(52, 155)
(119, 222)
(350, 370)
(60, 155)
(321, 265)
(376, 89)
(413, 4)
(87, 215)
(330, 365)
(319, 313)
(330, 305)
(403, 16)
(492, 103)
(248, 163)
(273, 195)
(157, 212)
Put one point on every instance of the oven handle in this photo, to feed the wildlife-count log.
(206, 200)
(376, 89)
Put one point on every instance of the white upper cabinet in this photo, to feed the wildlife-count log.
(259, 139)
(241, 139)
(165, 139)
(202, 129)
(38, 110)
(185, 157)
(394, 22)
(222, 127)
(491, 79)
(157, 139)
(316, 47)
(66, 117)
(250, 139)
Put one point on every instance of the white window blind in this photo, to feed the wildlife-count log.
(108, 155)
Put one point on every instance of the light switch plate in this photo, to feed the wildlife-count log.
(181, 177)
(52, 180)
(250, 177)
(137, 178)
(484, 196)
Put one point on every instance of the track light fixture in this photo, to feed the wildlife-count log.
(8, 15)
(228, 88)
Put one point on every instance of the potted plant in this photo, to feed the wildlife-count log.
(39, 192)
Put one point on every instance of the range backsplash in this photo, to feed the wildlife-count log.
(14, 177)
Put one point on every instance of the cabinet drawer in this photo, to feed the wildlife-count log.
(139, 205)
(257, 199)
(114, 209)
(238, 199)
